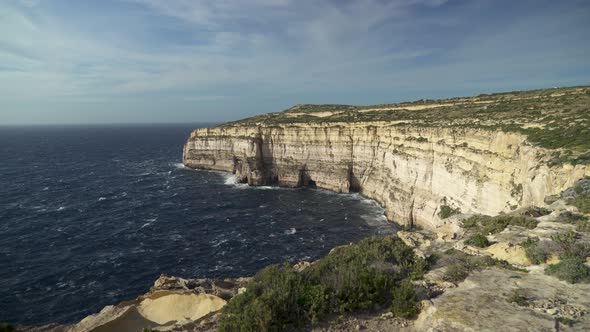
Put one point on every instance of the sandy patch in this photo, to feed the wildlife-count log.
(179, 307)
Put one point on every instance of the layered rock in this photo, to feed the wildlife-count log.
(411, 171)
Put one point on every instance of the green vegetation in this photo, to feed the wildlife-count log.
(517, 296)
(562, 245)
(492, 225)
(567, 245)
(566, 321)
(478, 240)
(536, 212)
(582, 202)
(403, 301)
(570, 269)
(375, 273)
(4, 327)
(456, 272)
(536, 251)
(459, 264)
(571, 252)
(581, 222)
(556, 118)
(446, 211)
(579, 195)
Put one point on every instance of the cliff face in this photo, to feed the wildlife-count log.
(411, 171)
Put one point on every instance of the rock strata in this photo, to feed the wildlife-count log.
(410, 171)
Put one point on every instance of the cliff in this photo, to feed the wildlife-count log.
(485, 154)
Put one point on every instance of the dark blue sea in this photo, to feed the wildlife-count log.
(91, 216)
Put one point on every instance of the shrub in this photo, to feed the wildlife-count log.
(570, 269)
(536, 212)
(459, 264)
(517, 296)
(403, 301)
(581, 222)
(523, 222)
(583, 226)
(456, 272)
(270, 303)
(4, 327)
(536, 252)
(373, 273)
(493, 225)
(566, 321)
(582, 202)
(478, 240)
(447, 211)
(568, 246)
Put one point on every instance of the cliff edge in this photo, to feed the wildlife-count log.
(486, 154)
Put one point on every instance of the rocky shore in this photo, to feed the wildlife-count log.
(501, 286)
(498, 212)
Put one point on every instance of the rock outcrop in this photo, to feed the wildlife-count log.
(410, 171)
(172, 304)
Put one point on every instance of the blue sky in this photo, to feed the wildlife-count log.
(131, 61)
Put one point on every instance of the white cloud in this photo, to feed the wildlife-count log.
(49, 58)
(282, 45)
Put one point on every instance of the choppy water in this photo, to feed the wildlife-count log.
(90, 216)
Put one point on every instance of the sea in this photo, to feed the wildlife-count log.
(92, 215)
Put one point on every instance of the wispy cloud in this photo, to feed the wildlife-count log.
(203, 52)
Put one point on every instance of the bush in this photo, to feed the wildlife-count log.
(583, 226)
(568, 245)
(459, 264)
(517, 296)
(581, 222)
(536, 212)
(523, 222)
(371, 274)
(270, 303)
(492, 225)
(478, 240)
(582, 202)
(7, 327)
(447, 211)
(403, 301)
(570, 269)
(456, 272)
(537, 252)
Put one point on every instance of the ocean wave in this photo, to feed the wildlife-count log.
(180, 166)
(290, 231)
(268, 187)
(232, 180)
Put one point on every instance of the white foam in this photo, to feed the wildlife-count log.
(180, 166)
(100, 199)
(61, 208)
(290, 231)
(268, 187)
(232, 180)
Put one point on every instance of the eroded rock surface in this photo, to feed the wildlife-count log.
(410, 171)
(172, 304)
(482, 303)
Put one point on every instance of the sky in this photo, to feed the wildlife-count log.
(187, 61)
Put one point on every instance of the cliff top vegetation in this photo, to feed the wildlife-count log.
(557, 118)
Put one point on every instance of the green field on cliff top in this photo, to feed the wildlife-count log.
(557, 118)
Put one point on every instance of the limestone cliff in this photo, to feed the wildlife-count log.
(412, 169)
